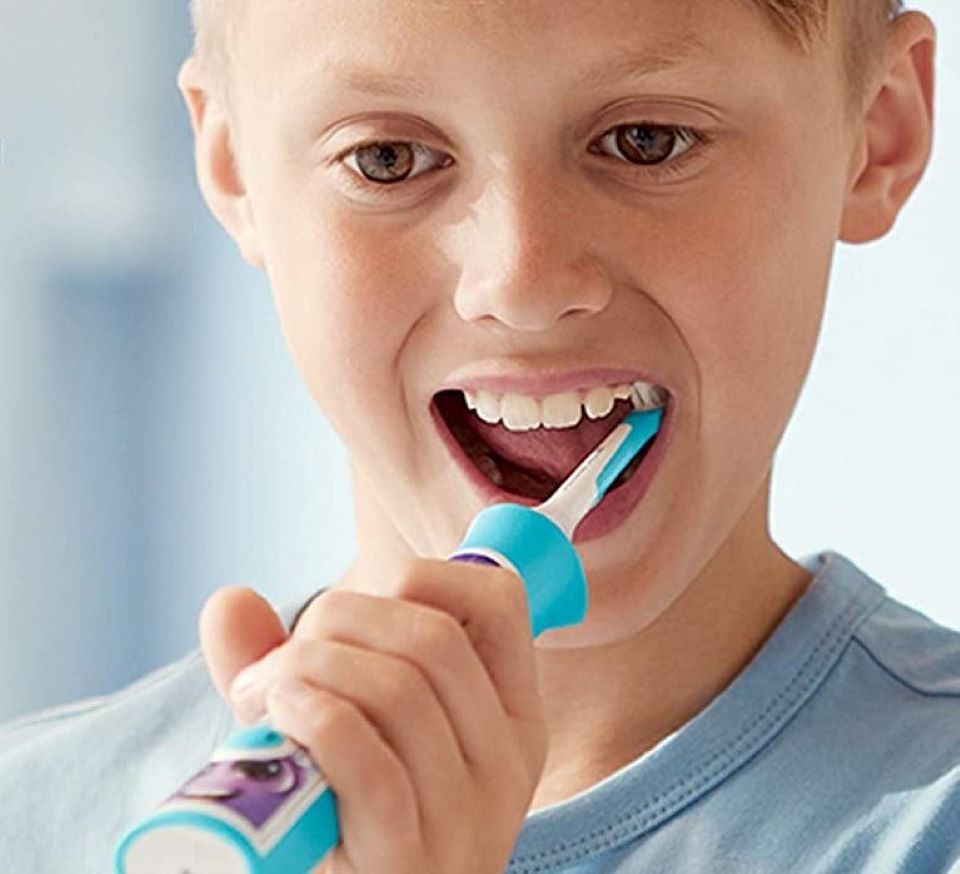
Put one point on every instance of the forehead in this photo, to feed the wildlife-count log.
(288, 46)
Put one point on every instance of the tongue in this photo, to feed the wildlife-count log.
(555, 452)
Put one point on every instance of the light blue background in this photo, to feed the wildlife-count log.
(156, 441)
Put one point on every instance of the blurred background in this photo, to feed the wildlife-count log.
(156, 442)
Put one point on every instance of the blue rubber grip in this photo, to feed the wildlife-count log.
(533, 546)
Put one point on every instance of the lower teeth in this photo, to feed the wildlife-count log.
(488, 467)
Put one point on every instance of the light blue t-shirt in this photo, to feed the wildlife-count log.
(837, 749)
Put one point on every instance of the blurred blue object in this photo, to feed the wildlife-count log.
(156, 441)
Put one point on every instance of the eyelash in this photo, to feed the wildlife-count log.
(697, 141)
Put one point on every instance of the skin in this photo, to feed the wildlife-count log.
(528, 254)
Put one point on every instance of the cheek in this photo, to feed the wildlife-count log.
(750, 293)
(346, 295)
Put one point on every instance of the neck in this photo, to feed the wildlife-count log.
(607, 706)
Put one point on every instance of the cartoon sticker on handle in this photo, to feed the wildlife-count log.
(247, 809)
(254, 783)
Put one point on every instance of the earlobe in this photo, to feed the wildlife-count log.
(218, 173)
(896, 133)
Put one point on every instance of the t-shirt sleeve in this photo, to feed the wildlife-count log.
(74, 778)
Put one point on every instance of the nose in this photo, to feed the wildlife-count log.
(526, 261)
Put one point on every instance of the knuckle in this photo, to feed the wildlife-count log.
(332, 717)
(286, 658)
(333, 599)
(317, 618)
(409, 578)
(308, 658)
(323, 659)
(436, 634)
(403, 686)
(320, 717)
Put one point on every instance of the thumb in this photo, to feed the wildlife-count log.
(237, 627)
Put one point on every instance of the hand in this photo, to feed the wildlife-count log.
(419, 703)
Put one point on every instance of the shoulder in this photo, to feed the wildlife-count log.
(85, 772)
(903, 688)
(147, 700)
(917, 655)
(900, 677)
(889, 740)
(914, 649)
(184, 677)
(82, 772)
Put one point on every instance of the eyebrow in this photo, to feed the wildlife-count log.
(622, 64)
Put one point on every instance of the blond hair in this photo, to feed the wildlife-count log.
(215, 24)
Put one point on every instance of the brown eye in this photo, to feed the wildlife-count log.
(646, 144)
(651, 145)
(378, 165)
(385, 162)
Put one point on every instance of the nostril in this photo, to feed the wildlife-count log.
(533, 292)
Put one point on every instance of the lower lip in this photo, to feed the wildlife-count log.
(607, 516)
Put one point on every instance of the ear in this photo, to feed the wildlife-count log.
(896, 133)
(218, 172)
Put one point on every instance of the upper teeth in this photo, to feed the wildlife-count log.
(523, 413)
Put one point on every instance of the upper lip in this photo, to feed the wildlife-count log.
(547, 383)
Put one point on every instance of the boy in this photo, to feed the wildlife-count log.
(480, 221)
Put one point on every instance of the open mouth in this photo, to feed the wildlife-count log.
(530, 464)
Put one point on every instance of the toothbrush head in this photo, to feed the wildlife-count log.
(643, 426)
(585, 487)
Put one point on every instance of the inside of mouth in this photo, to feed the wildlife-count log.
(525, 481)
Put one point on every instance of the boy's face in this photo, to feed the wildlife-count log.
(526, 241)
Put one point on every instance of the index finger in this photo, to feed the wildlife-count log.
(490, 603)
